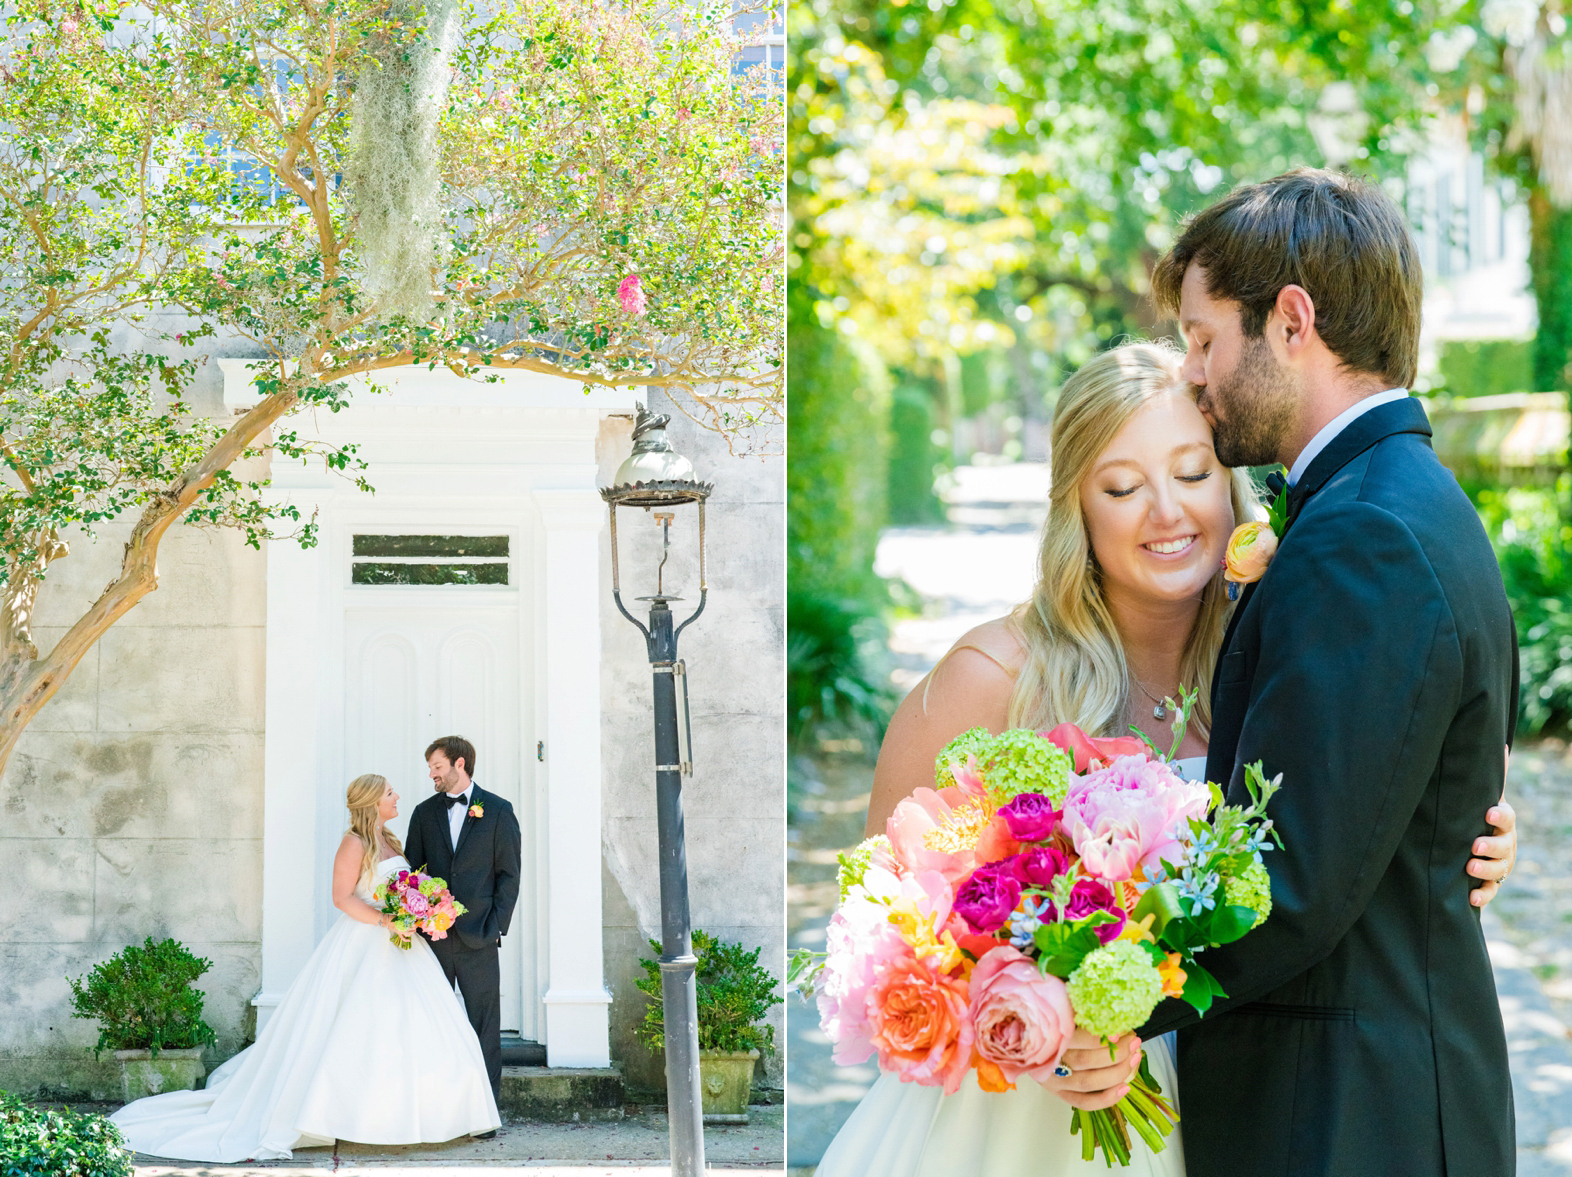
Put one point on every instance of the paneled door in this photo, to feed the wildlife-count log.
(447, 667)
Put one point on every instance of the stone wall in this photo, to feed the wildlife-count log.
(133, 805)
(734, 804)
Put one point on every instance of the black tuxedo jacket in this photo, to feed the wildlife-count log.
(1374, 666)
(482, 873)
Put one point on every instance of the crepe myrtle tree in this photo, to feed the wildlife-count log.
(562, 186)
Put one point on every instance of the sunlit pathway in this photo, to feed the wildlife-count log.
(977, 569)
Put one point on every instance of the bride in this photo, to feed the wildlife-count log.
(1129, 605)
(369, 1043)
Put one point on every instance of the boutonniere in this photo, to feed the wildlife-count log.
(477, 810)
(1252, 546)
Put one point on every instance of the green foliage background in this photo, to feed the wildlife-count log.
(735, 993)
(37, 1142)
(976, 178)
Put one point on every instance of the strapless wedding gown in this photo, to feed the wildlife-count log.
(904, 1130)
(369, 1044)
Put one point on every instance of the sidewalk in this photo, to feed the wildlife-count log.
(633, 1147)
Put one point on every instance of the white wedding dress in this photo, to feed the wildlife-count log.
(369, 1044)
(905, 1130)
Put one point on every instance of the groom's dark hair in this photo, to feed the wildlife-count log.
(1339, 237)
(454, 747)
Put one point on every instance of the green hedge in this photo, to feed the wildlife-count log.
(35, 1142)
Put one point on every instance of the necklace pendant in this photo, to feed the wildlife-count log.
(1159, 712)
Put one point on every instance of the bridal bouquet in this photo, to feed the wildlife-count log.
(1051, 881)
(417, 902)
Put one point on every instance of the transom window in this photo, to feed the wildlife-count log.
(429, 559)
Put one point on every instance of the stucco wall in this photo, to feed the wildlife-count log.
(734, 803)
(133, 805)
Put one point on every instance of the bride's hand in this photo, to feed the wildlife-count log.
(1095, 1080)
(1494, 857)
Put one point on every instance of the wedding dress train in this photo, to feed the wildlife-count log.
(369, 1044)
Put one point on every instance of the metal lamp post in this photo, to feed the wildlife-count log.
(654, 477)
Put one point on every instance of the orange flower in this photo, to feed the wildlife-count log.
(920, 1024)
(1250, 550)
(1173, 976)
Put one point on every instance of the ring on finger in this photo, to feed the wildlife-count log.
(1062, 1071)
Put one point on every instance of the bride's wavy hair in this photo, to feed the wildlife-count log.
(363, 797)
(1075, 669)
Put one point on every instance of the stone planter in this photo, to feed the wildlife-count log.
(725, 1078)
(173, 1070)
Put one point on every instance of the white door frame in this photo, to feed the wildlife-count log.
(466, 455)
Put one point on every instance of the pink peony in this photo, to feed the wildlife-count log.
(417, 904)
(631, 294)
(949, 831)
(1129, 816)
(1022, 1017)
(921, 1024)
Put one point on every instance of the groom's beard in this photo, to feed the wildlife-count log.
(1254, 408)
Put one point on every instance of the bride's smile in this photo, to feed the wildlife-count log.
(1157, 504)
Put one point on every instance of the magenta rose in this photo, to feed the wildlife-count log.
(986, 900)
(1039, 866)
(1031, 817)
(1090, 896)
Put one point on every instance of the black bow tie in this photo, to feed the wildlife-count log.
(451, 799)
(1275, 482)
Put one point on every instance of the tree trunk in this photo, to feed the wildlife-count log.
(26, 688)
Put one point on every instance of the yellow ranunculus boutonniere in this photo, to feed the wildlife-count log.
(1252, 546)
(476, 810)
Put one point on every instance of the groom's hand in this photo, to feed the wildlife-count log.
(1096, 1081)
(1494, 857)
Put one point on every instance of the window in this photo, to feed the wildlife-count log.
(429, 559)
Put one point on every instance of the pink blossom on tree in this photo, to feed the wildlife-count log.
(631, 295)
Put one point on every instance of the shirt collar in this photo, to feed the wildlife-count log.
(1336, 425)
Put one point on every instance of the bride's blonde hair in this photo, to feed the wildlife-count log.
(364, 798)
(1075, 669)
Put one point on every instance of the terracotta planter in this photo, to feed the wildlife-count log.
(173, 1070)
(725, 1079)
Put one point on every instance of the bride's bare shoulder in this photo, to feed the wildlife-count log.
(971, 684)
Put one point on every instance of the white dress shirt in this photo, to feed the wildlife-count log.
(1339, 423)
(456, 814)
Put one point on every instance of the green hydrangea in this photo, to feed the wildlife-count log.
(1252, 888)
(1115, 989)
(974, 742)
(1013, 762)
(854, 862)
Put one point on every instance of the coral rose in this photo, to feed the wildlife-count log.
(921, 1025)
(1022, 1017)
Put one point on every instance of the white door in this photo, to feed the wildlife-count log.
(444, 668)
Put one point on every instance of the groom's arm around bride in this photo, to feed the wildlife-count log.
(1373, 666)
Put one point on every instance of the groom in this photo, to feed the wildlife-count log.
(1374, 666)
(470, 838)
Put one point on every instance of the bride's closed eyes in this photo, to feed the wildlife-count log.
(1119, 493)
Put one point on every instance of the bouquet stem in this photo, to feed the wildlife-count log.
(1143, 1109)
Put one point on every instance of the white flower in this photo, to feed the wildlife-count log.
(1512, 21)
(1445, 51)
